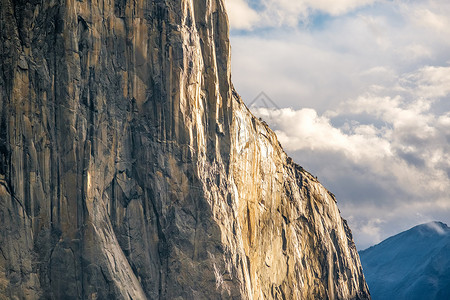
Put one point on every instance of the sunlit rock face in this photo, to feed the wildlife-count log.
(131, 169)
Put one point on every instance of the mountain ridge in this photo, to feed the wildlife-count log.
(410, 265)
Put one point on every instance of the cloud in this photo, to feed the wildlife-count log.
(305, 129)
(330, 60)
(277, 13)
(364, 88)
(427, 14)
(372, 230)
(335, 8)
(436, 227)
(241, 15)
(432, 82)
(395, 158)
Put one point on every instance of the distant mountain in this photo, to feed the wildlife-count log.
(414, 264)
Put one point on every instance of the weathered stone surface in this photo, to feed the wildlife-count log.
(131, 169)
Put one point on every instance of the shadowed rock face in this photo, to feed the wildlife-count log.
(131, 169)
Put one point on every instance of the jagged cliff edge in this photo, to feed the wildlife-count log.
(131, 169)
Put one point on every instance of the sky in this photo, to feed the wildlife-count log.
(360, 97)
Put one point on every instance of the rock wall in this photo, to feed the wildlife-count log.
(131, 169)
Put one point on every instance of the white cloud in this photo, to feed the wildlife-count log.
(427, 14)
(400, 146)
(414, 52)
(436, 227)
(275, 13)
(305, 129)
(433, 82)
(372, 230)
(324, 66)
(241, 15)
(340, 7)
(369, 95)
(433, 20)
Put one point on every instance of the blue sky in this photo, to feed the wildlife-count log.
(363, 100)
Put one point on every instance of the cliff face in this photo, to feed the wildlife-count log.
(131, 169)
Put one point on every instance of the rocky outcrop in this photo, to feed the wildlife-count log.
(131, 169)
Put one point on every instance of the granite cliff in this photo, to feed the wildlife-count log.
(131, 169)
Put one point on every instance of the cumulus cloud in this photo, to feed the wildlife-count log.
(427, 14)
(305, 129)
(276, 13)
(365, 87)
(341, 57)
(431, 82)
(337, 7)
(241, 15)
(399, 147)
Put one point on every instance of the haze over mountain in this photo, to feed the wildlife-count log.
(412, 265)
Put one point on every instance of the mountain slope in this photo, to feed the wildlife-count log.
(131, 169)
(414, 264)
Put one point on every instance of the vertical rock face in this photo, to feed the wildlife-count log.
(131, 169)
